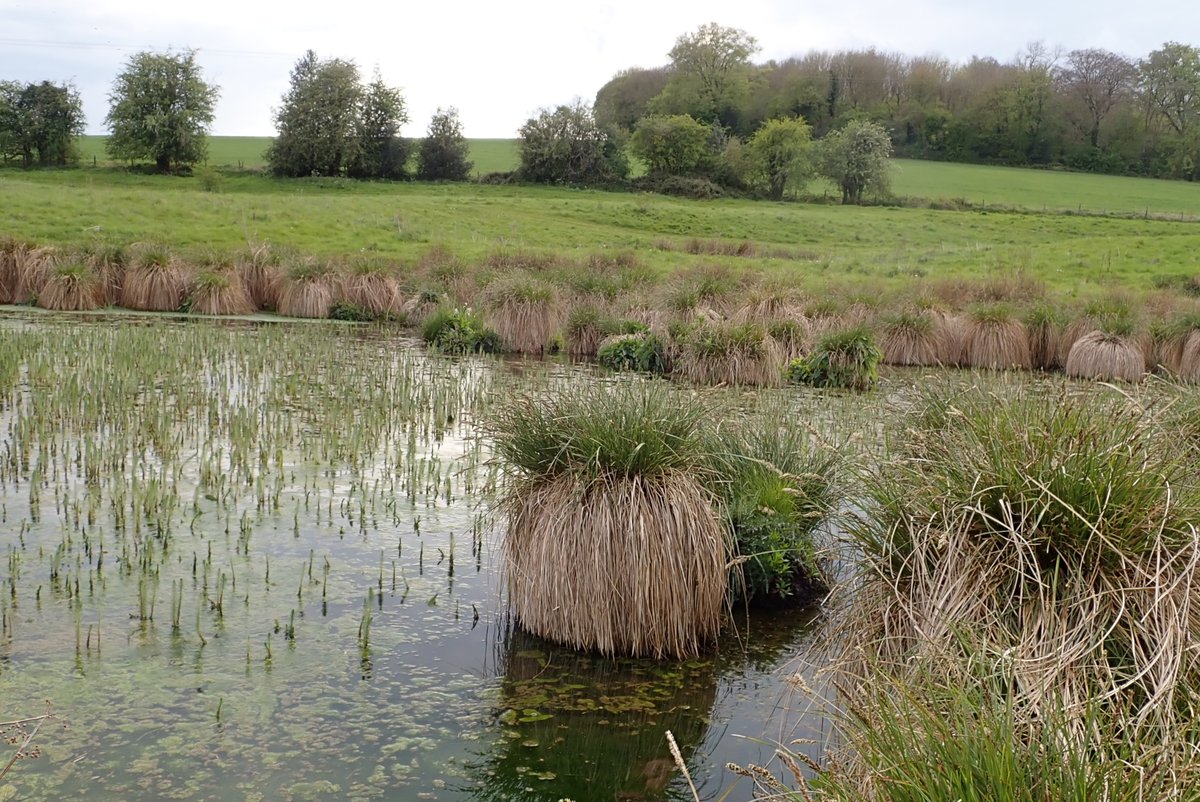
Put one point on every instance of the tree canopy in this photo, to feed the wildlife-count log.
(566, 146)
(856, 158)
(780, 152)
(39, 122)
(330, 124)
(443, 152)
(161, 109)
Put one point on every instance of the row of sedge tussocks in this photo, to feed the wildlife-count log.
(715, 333)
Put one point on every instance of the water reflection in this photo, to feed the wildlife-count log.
(583, 727)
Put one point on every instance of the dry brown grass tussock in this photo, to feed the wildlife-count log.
(654, 557)
(73, 288)
(155, 281)
(307, 291)
(221, 292)
(997, 344)
(1106, 357)
(1189, 360)
(917, 339)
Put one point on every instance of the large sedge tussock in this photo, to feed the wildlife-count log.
(1189, 359)
(995, 340)
(913, 339)
(721, 353)
(525, 312)
(1055, 532)
(73, 287)
(261, 278)
(221, 292)
(154, 281)
(956, 331)
(306, 290)
(585, 328)
(617, 565)
(1046, 351)
(375, 289)
(1106, 357)
(613, 543)
(30, 268)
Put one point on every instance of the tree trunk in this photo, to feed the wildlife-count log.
(163, 163)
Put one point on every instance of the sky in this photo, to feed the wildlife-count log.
(500, 62)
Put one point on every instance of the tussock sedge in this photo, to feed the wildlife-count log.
(1029, 575)
(632, 517)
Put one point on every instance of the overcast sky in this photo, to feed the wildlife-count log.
(499, 62)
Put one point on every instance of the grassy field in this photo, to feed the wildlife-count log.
(969, 184)
(489, 155)
(813, 244)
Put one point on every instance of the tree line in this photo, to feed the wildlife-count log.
(1088, 109)
(161, 109)
(710, 120)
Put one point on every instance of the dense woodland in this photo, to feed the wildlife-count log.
(1087, 109)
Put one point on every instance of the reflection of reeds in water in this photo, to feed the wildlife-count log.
(579, 726)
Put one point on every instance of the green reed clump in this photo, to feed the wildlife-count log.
(460, 331)
(642, 351)
(1056, 527)
(777, 489)
(847, 359)
(627, 430)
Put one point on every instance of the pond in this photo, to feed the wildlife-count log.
(250, 561)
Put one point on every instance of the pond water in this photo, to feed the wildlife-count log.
(255, 562)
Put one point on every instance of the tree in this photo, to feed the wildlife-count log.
(1098, 80)
(856, 159)
(672, 145)
(382, 153)
(1170, 79)
(10, 131)
(39, 122)
(160, 109)
(566, 146)
(444, 150)
(317, 125)
(624, 100)
(781, 152)
(716, 61)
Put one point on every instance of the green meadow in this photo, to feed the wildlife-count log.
(873, 249)
(976, 185)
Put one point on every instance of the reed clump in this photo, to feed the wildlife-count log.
(778, 488)
(728, 353)
(846, 359)
(154, 281)
(1055, 529)
(613, 542)
(73, 286)
(639, 350)
(460, 331)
